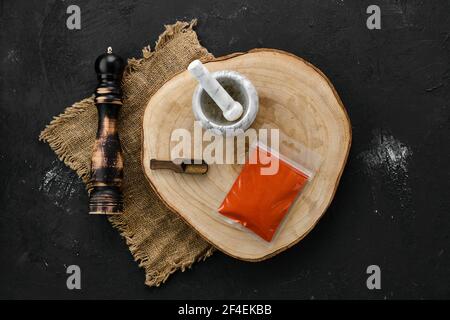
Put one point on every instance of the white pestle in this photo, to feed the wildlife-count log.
(231, 110)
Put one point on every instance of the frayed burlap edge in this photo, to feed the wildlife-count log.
(59, 146)
(152, 277)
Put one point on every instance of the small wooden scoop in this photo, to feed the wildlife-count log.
(180, 166)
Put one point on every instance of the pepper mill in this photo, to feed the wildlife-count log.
(107, 161)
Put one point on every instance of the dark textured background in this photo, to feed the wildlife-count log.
(391, 208)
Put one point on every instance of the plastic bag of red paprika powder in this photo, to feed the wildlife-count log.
(267, 186)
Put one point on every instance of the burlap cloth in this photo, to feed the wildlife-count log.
(158, 239)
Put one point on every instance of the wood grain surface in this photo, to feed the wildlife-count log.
(295, 97)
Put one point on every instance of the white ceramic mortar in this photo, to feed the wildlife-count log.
(210, 115)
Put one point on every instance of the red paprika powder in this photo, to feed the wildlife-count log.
(260, 201)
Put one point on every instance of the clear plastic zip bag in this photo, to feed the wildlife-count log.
(268, 185)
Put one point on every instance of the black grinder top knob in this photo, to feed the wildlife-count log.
(109, 66)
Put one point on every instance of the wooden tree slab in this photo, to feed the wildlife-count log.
(294, 96)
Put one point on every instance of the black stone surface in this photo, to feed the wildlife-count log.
(392, 205)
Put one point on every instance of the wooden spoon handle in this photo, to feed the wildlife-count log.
(180, 166)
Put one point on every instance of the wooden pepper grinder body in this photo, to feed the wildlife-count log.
(107, 160)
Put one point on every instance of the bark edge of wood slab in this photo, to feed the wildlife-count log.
(294, 96)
